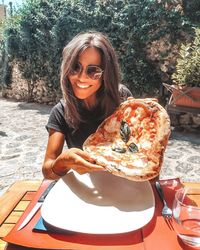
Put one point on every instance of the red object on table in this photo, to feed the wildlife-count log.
(155, 235)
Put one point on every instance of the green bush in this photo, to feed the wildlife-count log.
(44, 27)
(188, 64)
(192, 10)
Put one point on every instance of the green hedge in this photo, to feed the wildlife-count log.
(37, 32)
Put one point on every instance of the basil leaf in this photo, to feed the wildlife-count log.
(119, 150)
(133, 148)
(125, 131)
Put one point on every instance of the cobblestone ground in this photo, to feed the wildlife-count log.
(23, 139)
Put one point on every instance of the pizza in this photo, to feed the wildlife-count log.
(131, 142)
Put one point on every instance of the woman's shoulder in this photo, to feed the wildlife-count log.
(59, 106)
(124, 92)
(58, 111)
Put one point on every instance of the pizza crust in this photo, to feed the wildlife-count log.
(131, 142)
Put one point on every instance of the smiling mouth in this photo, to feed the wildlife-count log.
(83, 86)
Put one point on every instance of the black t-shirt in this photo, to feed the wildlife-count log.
(76, 138)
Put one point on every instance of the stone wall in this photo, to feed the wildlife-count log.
(19, 90)
(187, 121)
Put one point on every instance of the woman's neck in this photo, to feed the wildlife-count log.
(90, 103)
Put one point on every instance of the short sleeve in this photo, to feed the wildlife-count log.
(56, 119)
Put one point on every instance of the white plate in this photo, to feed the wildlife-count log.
(98, 203)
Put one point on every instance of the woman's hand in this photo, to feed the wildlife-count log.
(75, 159)
(58, 162)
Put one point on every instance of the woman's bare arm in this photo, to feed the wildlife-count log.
(58, 162)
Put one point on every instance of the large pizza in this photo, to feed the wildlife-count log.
(131, 142)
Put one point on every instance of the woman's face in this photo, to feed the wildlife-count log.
(83, 86)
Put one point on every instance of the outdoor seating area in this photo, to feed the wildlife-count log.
(23, 195)
(99, 125)
(20, 195)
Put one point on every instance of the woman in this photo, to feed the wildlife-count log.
(91, 92)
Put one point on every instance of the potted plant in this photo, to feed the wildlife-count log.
(186, 79)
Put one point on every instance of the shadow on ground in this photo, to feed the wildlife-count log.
(186, 135)
(41, 109)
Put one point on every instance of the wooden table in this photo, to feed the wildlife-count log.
(14, 202)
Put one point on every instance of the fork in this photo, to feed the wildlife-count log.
(166, 211)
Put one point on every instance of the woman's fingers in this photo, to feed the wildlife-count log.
(81, 161)
(71, 153)
(83, 170)
(87, 165)
(85, 156)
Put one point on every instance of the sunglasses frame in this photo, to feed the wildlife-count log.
(80, 70)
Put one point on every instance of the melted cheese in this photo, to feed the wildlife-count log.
(127, 112)
(130, 171)
(112, 126)
(145, 144)
(133, 120)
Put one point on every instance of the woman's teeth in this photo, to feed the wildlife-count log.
(83, 86)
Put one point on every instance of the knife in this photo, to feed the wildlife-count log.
(37, 206)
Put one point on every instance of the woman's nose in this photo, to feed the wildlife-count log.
(82, 74)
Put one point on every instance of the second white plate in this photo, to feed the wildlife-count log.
(98, 203)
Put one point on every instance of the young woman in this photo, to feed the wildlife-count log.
(91, 92)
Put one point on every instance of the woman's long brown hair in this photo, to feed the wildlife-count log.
(108, 94)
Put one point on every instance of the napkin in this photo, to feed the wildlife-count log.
(40, 226)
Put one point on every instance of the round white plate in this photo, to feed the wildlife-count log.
(98, 203)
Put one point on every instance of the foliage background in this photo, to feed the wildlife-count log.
(35, 34)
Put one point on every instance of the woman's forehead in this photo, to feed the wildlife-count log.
(90, 55)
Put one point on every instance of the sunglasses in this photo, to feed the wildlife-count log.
(92, 71)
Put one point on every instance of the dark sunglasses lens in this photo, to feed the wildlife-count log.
(94, 72)
(75, 69)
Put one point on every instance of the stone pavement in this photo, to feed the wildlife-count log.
(23, 140)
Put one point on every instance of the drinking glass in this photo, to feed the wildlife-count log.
(186, 215)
